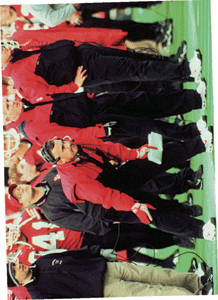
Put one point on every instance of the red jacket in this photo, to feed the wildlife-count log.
(39, 128)
(29, 39)
(33, 87)
(79, 178)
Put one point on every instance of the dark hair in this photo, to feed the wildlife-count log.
(13, 8)
(11, 280)
(46, 152)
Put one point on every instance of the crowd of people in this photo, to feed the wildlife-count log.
(87, 149)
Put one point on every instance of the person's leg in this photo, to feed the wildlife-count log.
(142, 126)
(168, 262)
(169, 183)
(147, 104)
(135, 173)
(128, 236)
(177, 223)
(136, 31)
(106, 68)
(163, 282)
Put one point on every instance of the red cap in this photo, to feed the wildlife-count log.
(12, 199)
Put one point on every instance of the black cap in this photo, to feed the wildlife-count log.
(47, 156)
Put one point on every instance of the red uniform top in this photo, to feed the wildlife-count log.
(20, 292)
(80, 177)
(43, 236)
(32, 156)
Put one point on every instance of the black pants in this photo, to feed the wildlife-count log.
(169, 183)
(140, 104)
(76, 110)
(106, 65)
(128, 236)
(133, 132)
(170, 216)
(134, 174)
(136, 31)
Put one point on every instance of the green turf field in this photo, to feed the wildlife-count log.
(192, 22)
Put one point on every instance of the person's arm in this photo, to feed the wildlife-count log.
(49, 16)
(97, 193)
(117, 151)
(43, 132)
(94, 191)
(33, 87)
(77, 221)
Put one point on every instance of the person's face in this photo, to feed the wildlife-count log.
(22, 273)
(65, 150)
(28, 171)
(6, 55)
(7, 15)
(12, 109)
(11, 90)
(24, 193)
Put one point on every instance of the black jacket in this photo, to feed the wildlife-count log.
(58, 209)
(72, 274)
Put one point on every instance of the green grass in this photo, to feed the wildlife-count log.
(192, 22)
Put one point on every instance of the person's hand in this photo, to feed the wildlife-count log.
(109, 254)
(142, 212)
(76, 19)
(142, 152)
(80, 76)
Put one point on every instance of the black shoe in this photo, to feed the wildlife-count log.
(181, 53)
(171, 261)
(186, 242)
(168, 33)
(213, 220)
(207, 277)
(201, 269)
(197, 210)
(189, 200)
(179, 120)
(208, 289)
(194, 265)
(197, 182)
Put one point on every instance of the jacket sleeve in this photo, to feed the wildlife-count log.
(94, 191)
(49, 16)
(80, 187)
(44, 132)
(40, 88)
(78, 221)
(33, 87)
(112, 150)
